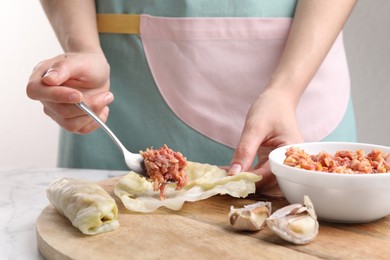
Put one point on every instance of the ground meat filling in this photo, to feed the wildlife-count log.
(341, 162)
(163, 166)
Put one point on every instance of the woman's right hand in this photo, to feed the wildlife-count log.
(70, 78)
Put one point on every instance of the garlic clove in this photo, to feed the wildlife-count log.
(251, 217)
(296, 223)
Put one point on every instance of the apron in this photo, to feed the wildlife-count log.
(185, 73)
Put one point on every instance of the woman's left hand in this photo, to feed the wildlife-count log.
(270, 123)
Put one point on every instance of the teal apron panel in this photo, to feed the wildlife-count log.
(200, 8)
(139, 116)
(346, 130)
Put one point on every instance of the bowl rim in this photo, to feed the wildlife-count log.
(278, 150)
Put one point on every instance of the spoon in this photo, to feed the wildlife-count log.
(134, 161)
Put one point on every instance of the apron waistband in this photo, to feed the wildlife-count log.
(118, 23)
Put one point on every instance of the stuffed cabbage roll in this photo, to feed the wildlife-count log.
(87, 205)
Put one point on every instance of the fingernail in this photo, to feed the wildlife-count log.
(109, 98)
(74, 97)
(235, 168)
(51, 73)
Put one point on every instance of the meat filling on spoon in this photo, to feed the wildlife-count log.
(165, 166)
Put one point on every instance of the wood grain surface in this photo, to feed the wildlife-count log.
(200, 230)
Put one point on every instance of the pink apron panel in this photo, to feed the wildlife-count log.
(210, 71)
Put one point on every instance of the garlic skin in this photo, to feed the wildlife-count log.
(295, 223)
(250, 218)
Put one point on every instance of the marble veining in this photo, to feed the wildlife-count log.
(23, 197)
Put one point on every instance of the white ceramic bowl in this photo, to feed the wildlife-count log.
(347, 198)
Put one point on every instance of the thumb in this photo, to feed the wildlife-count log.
(61, 70)
(55, 76)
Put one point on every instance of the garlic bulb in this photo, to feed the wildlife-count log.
(251, 217)
(296, 223)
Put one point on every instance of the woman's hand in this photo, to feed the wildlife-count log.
(270, 123)
(81, 74)
(70, 78)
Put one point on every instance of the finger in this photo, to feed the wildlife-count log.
(81, 124)
(72, 124)
(72, 70)
(268, 178)
(262, 155)
(58, 94)
(98, 101)
(63, 111)
(61, 70)
(37, 90)
(246, 150)
(93, 125)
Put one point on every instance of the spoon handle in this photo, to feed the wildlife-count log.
(88, 110)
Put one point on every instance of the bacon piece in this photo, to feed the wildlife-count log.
(342, 161)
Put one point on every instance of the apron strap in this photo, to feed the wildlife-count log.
(118, 23)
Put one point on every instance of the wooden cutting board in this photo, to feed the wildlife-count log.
(200, 230)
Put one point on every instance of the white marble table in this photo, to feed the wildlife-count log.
(22, 198)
